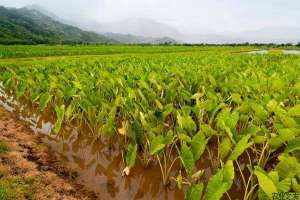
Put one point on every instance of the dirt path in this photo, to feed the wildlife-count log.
(27, 168)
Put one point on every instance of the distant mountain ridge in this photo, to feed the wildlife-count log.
(134, 39)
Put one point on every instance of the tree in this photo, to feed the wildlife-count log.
(298, 45)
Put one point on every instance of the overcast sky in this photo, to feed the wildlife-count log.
(188, 16)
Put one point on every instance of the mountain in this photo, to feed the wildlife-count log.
(50, 14)
(133, 39)
(143, 30)
(152, 29)
(138, 26)
(31, 26)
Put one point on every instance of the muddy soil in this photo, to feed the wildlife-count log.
(30, 158)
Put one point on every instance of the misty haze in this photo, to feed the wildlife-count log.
(188, 21)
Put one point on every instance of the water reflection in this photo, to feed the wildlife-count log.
(100, 164)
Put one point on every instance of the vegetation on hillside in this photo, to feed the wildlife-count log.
(25, 26)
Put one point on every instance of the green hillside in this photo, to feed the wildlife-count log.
(26, 26)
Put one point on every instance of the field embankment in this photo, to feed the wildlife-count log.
(28, 170)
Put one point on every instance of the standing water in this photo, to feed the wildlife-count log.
(291, 51)
(258, 52)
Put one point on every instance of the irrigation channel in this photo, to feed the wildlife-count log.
(99, 162)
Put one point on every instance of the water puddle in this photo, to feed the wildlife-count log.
(258, 52)
(291, 51)
(99, 162)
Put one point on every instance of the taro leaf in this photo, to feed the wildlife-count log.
(186, 122)
(194, 192)
(293, 145)
(225, 147)
(34, 95)
(236, 98)
(295, 111)
(187, 159)
(69, 92)
(273, 175)
(20, 89)
(206, 128)
(244, 108)
(259, 139)
(156, 144)
(167, 109)
(44, 100)
(265, 182)
(284, 185)
(220, 182)
(287, 133)
(69, 111)
(295, 185)
(288, 122)
(227, 121)
(275, 142)
(273, 106)
(260, 112)
(60, 113)
(135, 132)
(241, 146)
(230, 119)
(212, 80)
(108, 128)
(168, 138)
(9, 83)
(288, 166)
(198, 144)
(143, 121)
(186, 110)
(184, 137)
(252, 130)
(85, 104)
(159, 105)
(131, 155)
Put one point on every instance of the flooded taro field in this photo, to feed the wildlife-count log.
(189, 124)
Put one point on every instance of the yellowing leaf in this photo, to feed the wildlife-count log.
(265, 182)
(295, 111)
(123, 131)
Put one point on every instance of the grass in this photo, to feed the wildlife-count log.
(16, 188)
(4, 147)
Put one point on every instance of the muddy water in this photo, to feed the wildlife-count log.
(100, 166)
(99, 163)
